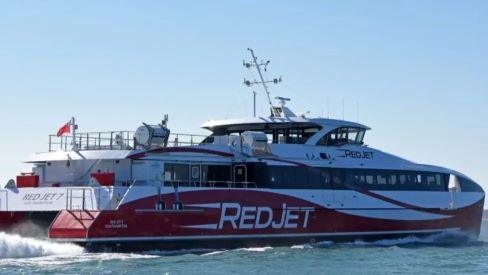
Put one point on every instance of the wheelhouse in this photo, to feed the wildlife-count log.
(297, 130)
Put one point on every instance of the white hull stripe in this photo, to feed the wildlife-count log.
(255, 236)
(206, 205)
(397, 214)
(387, 214)
(202, 226)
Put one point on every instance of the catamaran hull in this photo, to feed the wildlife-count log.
(228, 219)
(172, 244)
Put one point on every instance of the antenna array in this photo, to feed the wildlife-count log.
(258, 65)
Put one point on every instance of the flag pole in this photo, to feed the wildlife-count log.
(73, 130)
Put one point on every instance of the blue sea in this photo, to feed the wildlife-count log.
(441, 254)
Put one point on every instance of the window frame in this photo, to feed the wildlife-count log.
(340, 136)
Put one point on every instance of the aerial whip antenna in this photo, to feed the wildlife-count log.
(254, 103)
(258, 66)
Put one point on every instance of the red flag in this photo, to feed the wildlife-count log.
(64, 129)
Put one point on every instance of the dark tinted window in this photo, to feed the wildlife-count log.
(208, 140)
(286, 135)
(217, 173)
(175, 172)
(292, 135)
(469, 185)
(291, 177)
(341, 136)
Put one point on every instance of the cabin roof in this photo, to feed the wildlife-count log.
(255, 123)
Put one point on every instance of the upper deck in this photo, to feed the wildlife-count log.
(124, 140)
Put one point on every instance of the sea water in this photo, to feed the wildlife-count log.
(439, 254)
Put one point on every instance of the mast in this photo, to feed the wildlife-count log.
(258, 65)
(254, 103)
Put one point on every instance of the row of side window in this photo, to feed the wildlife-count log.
(289, 177)
(304, 177)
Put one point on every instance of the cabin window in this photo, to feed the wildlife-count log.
(352, 135)
(369, 179)
(291, 135)
(338, 178)
(417, 178)
(341, 136)
(398, 180)
(286, 135)
(393, 179)
(359, 179)
(293, 177)
(431, 179)
(276, 178)
(381, 179)
(240, 173)
(208, 140)
(216, 173)
(468, 185)
(176, 172)
(258, 174)
(302, 177)
(402, 179)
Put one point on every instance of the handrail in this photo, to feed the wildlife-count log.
(114, 140)
(87, 193)
(211, 184)
(83, 197)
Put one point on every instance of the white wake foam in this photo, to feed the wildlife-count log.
(445, 238)
(213, 253)
(255, 249)
(15, 246)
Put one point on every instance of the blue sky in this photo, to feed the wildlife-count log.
(417, 69)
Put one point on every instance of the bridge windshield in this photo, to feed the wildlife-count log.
(343, 135)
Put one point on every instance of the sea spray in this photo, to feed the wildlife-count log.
(29, 229)
(15, 246)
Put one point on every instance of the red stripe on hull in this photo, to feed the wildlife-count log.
(10, 219)
(139, 219)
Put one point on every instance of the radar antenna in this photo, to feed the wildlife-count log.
(258, 65)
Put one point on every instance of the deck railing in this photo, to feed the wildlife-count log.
(114, 140)
(94, 198)
(211, 184)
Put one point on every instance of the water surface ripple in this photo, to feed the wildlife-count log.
(432, 255)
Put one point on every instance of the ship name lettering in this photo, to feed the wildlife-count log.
(42, 197)
(358, 154)
(252, 217)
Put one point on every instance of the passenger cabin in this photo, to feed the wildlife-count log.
(291, 130)
(328, 133)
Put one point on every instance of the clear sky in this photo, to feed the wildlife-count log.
(416, 69)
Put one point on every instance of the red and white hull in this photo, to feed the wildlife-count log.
(233, 218)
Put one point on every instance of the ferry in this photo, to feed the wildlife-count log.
(278, 179)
